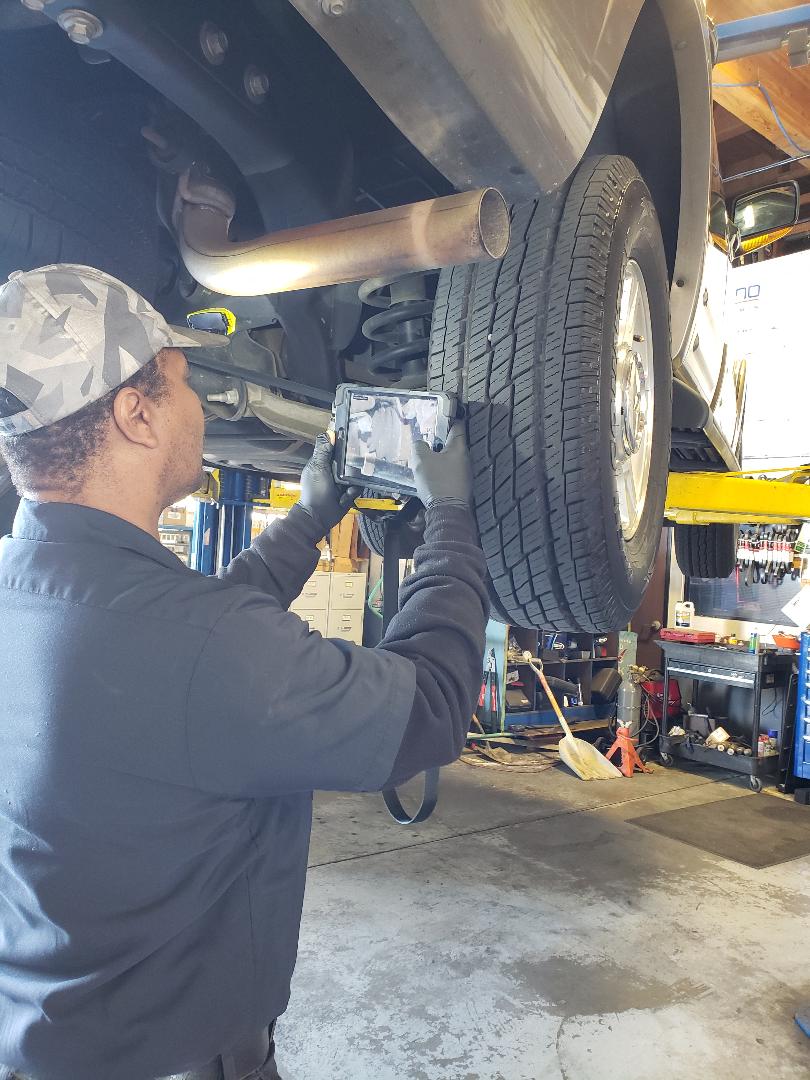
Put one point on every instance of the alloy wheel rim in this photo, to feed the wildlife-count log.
(633, 399)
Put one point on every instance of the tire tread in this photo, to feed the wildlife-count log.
(522, 337)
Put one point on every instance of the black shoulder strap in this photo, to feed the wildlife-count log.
(391, 549)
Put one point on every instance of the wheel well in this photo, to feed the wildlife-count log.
(642, 119)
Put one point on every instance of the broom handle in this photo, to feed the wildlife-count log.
(550, 695)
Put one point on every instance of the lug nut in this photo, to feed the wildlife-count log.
(257, 83)
(80, 26)
(213, 43)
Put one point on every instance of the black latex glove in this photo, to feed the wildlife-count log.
(326, 501)
(444, 476)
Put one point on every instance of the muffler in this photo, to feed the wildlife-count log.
(448, 231)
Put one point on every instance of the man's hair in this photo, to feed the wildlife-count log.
(61, 454)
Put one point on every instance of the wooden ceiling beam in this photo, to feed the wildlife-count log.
(789, 88)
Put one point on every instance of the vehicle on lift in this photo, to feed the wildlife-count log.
(160, 142)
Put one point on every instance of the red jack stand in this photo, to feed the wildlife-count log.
(630, 759)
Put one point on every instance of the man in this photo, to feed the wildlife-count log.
(161, 733)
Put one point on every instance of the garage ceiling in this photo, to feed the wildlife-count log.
(747, 131)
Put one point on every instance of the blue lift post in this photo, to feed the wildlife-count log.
(222, 528)
(204, 537)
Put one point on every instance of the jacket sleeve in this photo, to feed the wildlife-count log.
(444, 606)
(280, 560)
(274, 709)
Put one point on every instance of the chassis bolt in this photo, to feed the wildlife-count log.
(257, 83)
(227, 397)
(80, 26)
(213, 43)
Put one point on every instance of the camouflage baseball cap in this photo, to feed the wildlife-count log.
(68, 335)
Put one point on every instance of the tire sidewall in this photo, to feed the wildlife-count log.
(636, 235)
(9, 501)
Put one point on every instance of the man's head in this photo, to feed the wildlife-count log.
(151, 425)
(93, 388)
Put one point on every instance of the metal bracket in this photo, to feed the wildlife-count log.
(798, 47)
(764, 33)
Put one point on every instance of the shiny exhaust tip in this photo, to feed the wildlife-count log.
(447, 231)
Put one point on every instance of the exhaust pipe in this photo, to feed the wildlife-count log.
(426, 235)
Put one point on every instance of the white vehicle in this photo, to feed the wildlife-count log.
(168, 143)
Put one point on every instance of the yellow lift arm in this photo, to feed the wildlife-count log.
(700, 498)
(697, 498)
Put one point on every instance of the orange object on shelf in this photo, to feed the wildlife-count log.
(630, 759)
(786, 641)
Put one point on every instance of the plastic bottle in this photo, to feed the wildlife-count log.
(684, 611)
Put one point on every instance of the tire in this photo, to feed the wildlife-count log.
(64, 198)
(67, 198)
(372, 529)
(706, 551)
(755, 783)
(529, 344)
(8, 502)
(667, 760)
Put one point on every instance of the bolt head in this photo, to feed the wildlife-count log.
(334, 7)
(34, 5)
(225, 397)
(213, 43)
(80, 26)
(257, 83)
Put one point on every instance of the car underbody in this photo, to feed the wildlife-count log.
(209, 154)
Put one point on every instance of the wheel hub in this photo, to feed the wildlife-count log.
(630, 401)
(633, 398)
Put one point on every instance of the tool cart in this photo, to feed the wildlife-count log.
(729, 668)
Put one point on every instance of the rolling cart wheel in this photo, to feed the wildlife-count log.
(755, 783)
(667, 760)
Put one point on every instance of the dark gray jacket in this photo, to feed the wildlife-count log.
(160, 737)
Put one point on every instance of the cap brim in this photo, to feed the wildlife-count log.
(182, 337)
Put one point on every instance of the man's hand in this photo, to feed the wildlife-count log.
(324, 500)
(446, 476)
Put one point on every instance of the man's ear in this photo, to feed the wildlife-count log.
(134, 416)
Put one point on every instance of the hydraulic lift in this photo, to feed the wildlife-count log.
(223, 516)
(700, 498)
(222, 521)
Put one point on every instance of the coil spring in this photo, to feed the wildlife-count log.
(401, 329)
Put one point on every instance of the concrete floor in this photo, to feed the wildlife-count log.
(528, 931)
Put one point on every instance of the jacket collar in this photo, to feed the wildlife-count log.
(69, 523)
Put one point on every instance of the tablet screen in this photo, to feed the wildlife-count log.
(381, 431)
